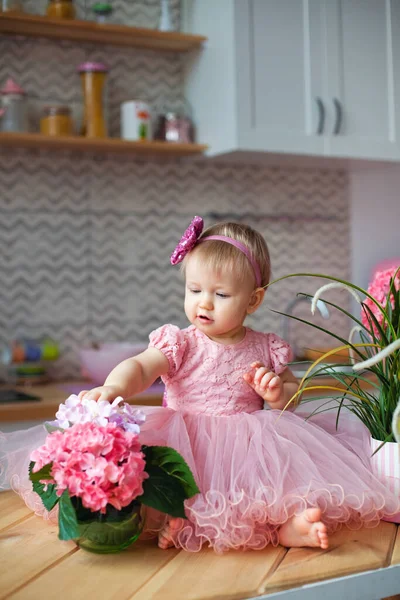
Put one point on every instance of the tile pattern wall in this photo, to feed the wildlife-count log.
(85, 241)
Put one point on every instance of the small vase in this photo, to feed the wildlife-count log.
(386, 466)
(110, 532)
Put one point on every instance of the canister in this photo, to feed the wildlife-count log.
(11, 6)
(135, 120)
(61, 9)
(13, 108)
(102, 12)
(93, 77)
(56, 120)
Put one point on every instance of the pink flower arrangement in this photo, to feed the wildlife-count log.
(379, 289)
(93, 466)
(99, 464)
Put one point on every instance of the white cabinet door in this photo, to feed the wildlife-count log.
(360, 86)
(280, 67)
(395, 19)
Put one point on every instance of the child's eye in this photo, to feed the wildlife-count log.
(221, 295)
(193, 291)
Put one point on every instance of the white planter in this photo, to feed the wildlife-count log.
(386, 466)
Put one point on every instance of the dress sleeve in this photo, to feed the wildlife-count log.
(172, 343)
(280, 353)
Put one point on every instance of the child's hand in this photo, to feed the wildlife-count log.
(104, 392)
(266, 383)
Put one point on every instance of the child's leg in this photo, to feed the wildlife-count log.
(306, 529)
(168, 534)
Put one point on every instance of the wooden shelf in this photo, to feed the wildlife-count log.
(88, 31)
(98, 145)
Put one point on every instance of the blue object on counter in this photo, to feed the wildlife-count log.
(32, 352)
(29, 351)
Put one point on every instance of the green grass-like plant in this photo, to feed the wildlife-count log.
(372, 390)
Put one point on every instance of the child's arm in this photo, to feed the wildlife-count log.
(131, 376)
(276, 390)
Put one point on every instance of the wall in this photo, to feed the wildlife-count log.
(85, 240)
(375, 218)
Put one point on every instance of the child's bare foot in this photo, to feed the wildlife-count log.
(306, 529)
(168, 534)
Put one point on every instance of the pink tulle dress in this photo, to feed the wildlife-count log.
(255, 468)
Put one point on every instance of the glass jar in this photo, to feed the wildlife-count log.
(11, 5)
(13, 108)
(102, 12)
(61, 9)
(174, 127)
(109, 532)
(56, 120)
(93, 77)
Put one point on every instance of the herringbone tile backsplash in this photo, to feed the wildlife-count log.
(85, 241)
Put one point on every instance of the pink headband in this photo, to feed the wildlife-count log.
(191, 238)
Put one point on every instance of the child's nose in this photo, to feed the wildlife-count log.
(206, 301)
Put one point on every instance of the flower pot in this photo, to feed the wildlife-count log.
(109, 532)
(386, 466)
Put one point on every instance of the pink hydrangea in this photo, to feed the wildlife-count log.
(82, 410)
(379, 289)
(99, 464)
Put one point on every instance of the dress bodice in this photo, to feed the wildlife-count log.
(207, 377)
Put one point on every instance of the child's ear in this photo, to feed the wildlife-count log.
(256, 299)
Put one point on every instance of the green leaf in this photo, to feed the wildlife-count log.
(47, 492)
(173, 464)
(44, 473)
(50, 428)
(163, 492)
(68, 528)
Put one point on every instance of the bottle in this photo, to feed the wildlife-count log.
(93, 77)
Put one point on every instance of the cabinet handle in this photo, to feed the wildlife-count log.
(339, 116)
(321, 112)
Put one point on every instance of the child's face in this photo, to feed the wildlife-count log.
(216, 302)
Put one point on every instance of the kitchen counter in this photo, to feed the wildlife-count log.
(54, 393)
(36, 564)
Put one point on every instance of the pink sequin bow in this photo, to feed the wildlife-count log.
(188, 240)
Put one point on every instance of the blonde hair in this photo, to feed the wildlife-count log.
(221, 255)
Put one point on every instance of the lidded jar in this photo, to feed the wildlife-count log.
(61, 9)
(56, 120)
(11, 6)
(13, 110)
(93, 77)
(102, 11)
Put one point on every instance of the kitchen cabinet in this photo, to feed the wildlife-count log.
(314, 77)
(360, 43)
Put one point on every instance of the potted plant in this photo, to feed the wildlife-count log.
(372, 390)
(94, 469)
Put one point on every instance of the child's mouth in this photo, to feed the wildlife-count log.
(204, 319)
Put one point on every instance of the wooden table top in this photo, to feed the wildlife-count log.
(35, 564)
